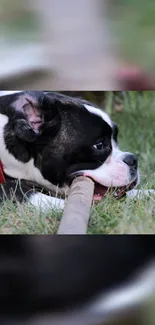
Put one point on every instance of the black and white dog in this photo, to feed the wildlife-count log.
(47, 139)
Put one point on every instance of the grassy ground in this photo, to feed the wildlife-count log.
(136, 119)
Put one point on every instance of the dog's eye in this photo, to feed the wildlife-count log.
(99, 146)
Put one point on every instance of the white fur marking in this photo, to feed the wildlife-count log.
(100, 113)
(9, 92)
(44, 202)
(139, 194)
(114, 173)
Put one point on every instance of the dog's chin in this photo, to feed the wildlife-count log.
(101, 191)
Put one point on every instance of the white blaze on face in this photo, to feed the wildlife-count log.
(113, 172)
(100, 113)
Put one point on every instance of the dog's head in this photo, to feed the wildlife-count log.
(83, 141)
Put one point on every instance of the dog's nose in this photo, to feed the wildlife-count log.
(131, 160)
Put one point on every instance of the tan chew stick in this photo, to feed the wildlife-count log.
(77, 210)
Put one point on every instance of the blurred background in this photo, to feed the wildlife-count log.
(82, 45)
(52, 280)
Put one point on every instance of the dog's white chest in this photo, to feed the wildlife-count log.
(15, 168)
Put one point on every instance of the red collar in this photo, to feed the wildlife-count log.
(2, 178)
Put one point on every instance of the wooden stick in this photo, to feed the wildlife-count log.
(77, 210)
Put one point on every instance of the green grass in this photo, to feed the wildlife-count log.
(137, 134)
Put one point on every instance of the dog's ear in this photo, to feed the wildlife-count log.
(29, 107)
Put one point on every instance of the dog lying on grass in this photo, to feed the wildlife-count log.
(47, 139)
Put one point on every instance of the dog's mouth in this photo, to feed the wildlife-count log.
(101, 191)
